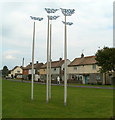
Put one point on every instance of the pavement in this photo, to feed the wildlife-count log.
(78, 86)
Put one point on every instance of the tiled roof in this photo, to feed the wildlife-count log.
(83, 61)
(36, 66)
(54, 64)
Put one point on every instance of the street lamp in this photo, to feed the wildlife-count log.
(39, 19)
(49, 10)
(66, 12)
(50, 18)
(48, 82)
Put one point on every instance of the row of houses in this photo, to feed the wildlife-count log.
(82, 70)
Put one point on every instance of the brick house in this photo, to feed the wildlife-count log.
(27, 71)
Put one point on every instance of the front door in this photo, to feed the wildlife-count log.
(86, 79)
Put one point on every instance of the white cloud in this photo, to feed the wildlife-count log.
(10, 57)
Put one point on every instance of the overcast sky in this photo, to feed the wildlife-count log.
(92, 28)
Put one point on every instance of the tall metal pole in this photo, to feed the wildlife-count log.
(50, 64)
(66, 12)
(23, 62)
(32, 86)
(65, 66)
(22, 67)
(47, 82)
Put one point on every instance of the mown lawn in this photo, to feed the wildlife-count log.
(81, 102)
(90, 85)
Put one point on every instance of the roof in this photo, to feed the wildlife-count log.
(36, 66)
(15, 68)
(83, 61)
(54, 64)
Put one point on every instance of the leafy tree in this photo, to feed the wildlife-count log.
(106, 59)
(5, 71)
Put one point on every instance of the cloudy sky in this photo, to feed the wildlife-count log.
(92, 29)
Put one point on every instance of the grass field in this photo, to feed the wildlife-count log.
(81, 102)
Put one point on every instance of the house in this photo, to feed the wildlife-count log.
(84, 70)
(16, 72)
(57, 69)
(27, 71)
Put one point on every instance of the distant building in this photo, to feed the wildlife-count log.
(27, 71)
(84, 70)
(57, 69)
(16, 72)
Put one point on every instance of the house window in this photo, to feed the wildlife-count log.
(75, 68)
(18, 71)
(98, 77)
(54, 69)
(94, 67)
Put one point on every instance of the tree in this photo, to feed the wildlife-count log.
(5, 71)
(106, 59)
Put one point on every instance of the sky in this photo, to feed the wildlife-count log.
(92, 29)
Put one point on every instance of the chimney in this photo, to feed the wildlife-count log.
(23, 62)
(82, 55)
(60, 59)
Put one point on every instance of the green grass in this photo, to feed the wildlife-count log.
(75, 84)
(81, 102)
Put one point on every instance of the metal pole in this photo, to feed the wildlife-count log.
(65, 66)
(50, 65)
(23, 62)
(47, 93)
(22, 67)
(32, 87)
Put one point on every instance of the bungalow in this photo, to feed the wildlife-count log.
(84, 70)
(27, 71)
(57, 69)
